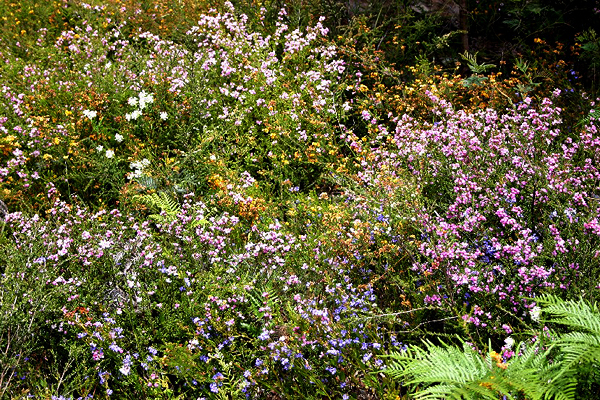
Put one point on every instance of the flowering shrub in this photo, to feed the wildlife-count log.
(243, 206)
(509, 207)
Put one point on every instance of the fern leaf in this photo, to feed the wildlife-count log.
(161, 202)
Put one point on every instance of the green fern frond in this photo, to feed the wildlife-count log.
(588, 118)
(577, 315)
(162, 202)
(559, 369)
(147, 182)
(262, 296)
(446, 372)
(473, 65)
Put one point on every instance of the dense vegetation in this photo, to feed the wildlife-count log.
(315, 199)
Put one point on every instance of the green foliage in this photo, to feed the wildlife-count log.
(476, 69)
(474, 66)
(313, 245)
(552, 366)
(162, 201)
(579, 346)
(447, 372)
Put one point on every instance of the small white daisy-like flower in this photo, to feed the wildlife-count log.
(133, 116)
(535, 313)
(110, 153)
(164, 116)
(509, 342)
(91, 114)
(133, 101)
(119, 137)
(100, 148)
(145, 99)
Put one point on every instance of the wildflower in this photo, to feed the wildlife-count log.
(133, 115)
(535, 313)
(265, 335)
(509, 342)
(99, 148)
(498, 359)
(91, 114)
(97, 354)
(114, 347)
(218, 376)
(132, 101)
(164, 116)
(110, 153)
(119, 138)
(145, 99)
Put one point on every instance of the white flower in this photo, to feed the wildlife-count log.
(133, 116)
(110, 153)
(91, 114)
(99, 148)
(138, 168)
(535, 313)
(145, 99)
(125, 369)
(509, 342)
(164, 116)
(119, 138)
(133, 101)
(135, 174)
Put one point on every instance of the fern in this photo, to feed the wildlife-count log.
(577, 315)
(473, 65)
(264, 299)
(563, 370)
(447, 372)
(588, 118)
(580, 348)
(147, 182)
(169, 207)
